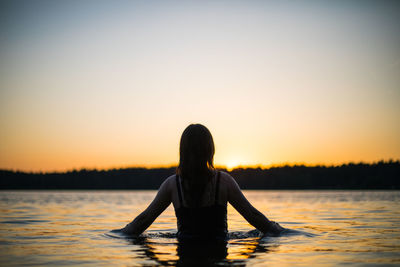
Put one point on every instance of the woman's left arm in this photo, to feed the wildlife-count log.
(147, 217)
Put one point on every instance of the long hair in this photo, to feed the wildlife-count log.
(196, 167)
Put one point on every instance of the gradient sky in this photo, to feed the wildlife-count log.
(101, 84)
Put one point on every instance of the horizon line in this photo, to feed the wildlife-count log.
(224, 167)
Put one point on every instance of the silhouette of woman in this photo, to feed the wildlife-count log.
(200, 195)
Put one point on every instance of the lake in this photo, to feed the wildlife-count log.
(53, 228)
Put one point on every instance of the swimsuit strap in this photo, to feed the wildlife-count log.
(179, 190)
(217, 188)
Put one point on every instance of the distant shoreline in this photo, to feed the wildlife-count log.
(382, 175)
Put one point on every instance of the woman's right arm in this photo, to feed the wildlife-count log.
(251, 214)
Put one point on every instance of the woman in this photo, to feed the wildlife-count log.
(200, 194)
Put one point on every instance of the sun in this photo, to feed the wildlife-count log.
(231, 164)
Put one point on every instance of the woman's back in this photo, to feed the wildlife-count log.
(204, 222)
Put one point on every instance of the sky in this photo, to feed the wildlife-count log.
(109, 84)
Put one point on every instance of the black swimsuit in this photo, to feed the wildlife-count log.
(201, 223)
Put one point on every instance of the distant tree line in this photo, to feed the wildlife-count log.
(379, 175)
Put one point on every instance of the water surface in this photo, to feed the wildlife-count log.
(73, 228)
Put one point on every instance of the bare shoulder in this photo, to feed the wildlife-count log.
(227, 179)
(170, 179)
(166, 190)
(169, 182)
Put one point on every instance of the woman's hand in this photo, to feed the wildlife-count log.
(275, 228)
(127, 229)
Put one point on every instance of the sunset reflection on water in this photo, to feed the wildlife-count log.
(72, 228)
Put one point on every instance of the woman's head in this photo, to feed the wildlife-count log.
(196, 147)
(196, 154)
